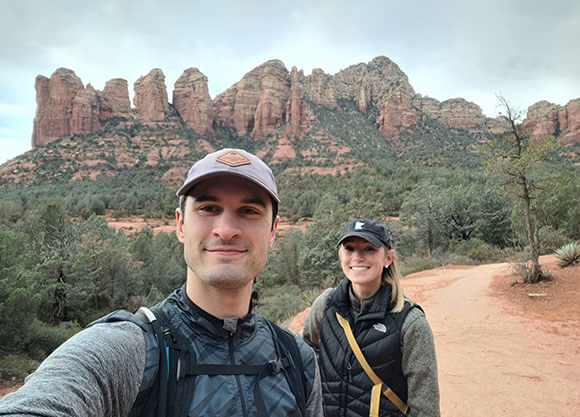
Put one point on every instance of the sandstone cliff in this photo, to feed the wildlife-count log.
(271, 99)
(65, 107)
(544, 118)
(191, 99)
(151, 96)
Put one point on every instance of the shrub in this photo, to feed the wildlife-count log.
(280, 303)
(476, 250)
(16, 367)
(457, 259)
(568, 254)
(416, 264)
(551, 239)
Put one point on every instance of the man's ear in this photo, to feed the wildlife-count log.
(273, 231)
(179, 225)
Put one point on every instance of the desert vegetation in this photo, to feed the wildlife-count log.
(62, 266)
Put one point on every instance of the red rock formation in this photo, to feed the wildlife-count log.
(456, 113)
(54, 99)
(192, 101)
(269, 99)
(319, 88)
(571, 120)
(545, 118)
(116, 93)
(256, 105)
(151, 96)
(397, 113)
(85, 112)
(65, 107)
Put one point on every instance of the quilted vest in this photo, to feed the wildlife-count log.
(249, 343)
(346, 387)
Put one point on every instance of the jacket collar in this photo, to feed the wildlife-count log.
(195, 316)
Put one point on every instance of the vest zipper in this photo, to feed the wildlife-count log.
(239, 382)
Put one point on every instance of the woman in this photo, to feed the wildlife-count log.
(388, 367)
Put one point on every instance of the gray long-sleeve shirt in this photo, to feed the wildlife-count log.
(419, 362)
(95, 373)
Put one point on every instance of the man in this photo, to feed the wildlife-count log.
(227, 222)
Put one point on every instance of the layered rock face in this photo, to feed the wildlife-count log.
(151, 96)
(54, 100)
(256, 105)
(116, 94)
(544, 118)
(65, 107)
(191, 99)
(271, 99)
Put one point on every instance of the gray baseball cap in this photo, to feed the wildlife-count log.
(233, 162)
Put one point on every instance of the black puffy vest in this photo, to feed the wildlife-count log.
(346, 386)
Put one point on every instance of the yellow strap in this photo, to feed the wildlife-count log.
(375, 400)
(389, 393)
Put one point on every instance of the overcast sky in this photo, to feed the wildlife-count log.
(526, 50)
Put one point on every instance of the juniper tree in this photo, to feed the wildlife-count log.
(518, 159)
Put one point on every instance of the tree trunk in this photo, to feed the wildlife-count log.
(535, 271)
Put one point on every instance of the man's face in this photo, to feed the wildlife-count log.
(226, 230)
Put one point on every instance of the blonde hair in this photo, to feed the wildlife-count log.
(392, 275)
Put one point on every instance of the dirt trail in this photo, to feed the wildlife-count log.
(493, 360)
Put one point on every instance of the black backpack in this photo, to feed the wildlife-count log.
(170, 394)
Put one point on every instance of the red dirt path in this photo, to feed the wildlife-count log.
(500, 351)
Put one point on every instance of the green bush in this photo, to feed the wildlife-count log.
(457, 259)
(45, 338)
(280, 303)
(568, 254)
(551, 239)
(413, 264)
(16, 367)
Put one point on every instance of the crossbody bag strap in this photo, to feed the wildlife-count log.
(378, 387)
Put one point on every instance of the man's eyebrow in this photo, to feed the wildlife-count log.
(208, 197)
(254, 200)
(205, 197)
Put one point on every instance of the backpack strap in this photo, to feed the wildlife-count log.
(295, 374)
(173, 391)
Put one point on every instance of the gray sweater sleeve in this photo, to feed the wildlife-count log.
(95, 373)
(420, 366)
(311, 329)
(314, 401)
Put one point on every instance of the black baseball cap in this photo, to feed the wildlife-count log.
(370, 230)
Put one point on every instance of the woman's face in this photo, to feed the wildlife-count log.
(363, 263)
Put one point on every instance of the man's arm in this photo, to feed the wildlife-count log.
(95, 373)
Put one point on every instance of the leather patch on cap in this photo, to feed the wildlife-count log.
(233, 159)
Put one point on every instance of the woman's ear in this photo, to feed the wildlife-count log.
(389, 257)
